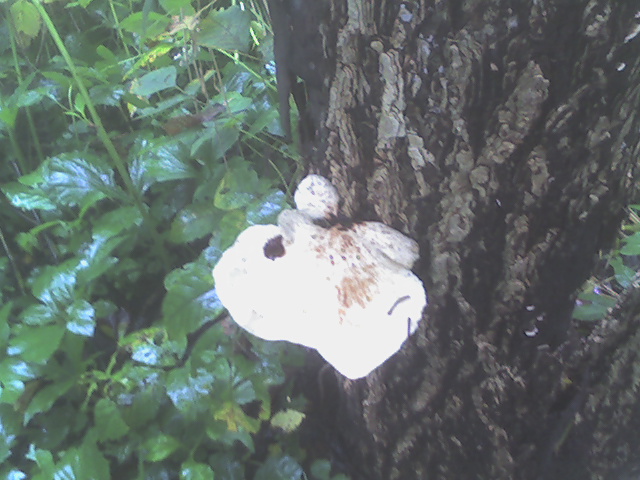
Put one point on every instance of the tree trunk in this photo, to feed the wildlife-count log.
(503, 136)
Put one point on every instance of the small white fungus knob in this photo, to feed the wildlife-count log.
(316, 197)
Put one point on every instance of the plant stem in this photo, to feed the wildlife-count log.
(102, 133)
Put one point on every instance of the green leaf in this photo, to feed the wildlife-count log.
(237, 188)
(631, 245)
(178, 7)
(192, 470)
(159, 447)
(39, 314)
(266, 210)
(193, 222)
(190, 394)
(109, 424)
(190, 299)
(10, 428)
(55, 284)
(279, 468)
(71, 180)
(226, 29)
(26, 19)
(592, 306)
(5, 328)
(164, 161)
(231, 225)
(27, 198)
(81, 318)
(288, 420)
(44, 398)
(36, 344)
(221, 135)
(321, 469)
(625, 276)
(155, 81)
(146, 24)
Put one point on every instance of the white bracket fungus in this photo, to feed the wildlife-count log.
(346, 291)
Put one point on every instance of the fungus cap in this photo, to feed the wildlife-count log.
(347, 292)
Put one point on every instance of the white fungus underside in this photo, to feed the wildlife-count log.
(348, 293)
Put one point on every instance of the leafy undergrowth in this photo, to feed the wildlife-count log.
(618, 273)
(140, 138)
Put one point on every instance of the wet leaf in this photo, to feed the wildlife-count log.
(190, 299)
(81, 318)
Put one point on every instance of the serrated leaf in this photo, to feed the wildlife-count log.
(71, 180)
(155, 81)
(159, 447)
(81, 318)
(27, 198)
(109, 424)
(190, 299)
(36, 344)
(55, 285)
(39, 314)
(288, 420)
(26, 20)
(226, 29)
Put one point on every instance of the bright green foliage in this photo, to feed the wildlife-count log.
(140, 138)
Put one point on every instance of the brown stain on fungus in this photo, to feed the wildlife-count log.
(274, 248)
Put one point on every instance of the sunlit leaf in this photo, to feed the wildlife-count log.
(72, 180)
(190, 393)
(26, 20)
(27, 198)
(288, 420)
(81, 318)
(266, 210)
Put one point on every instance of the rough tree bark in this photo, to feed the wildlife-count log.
(503, 136)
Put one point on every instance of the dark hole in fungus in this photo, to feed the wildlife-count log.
(274, 248)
